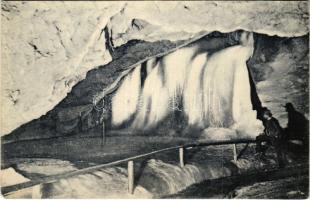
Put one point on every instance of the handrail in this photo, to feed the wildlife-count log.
(54, 178)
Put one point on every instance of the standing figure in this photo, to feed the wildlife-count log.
(273, 136)
(297, 126)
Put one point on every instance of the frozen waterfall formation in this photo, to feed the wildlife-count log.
(212, 89)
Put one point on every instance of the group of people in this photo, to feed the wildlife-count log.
(274, 135)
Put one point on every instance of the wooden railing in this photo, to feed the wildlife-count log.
(130, 165)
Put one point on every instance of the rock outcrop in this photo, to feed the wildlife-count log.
(46, 49)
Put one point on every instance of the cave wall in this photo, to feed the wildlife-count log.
(280, 69)
(48, 47)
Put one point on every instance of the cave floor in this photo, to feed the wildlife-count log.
(263, 185)
(39, 158)
(88, 151)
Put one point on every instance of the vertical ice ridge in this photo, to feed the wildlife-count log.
(214, 90)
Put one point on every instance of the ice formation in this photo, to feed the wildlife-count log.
(213, 90)
(125, 103)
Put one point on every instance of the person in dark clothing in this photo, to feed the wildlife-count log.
(273, 136)
(298, 125)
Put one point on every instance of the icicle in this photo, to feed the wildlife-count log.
(217, 86)
(125, 101)
(226, 88)
(192, 97)
(176, 67)
(153, 105)
(244, 117)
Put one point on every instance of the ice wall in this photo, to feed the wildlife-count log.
(212, 90)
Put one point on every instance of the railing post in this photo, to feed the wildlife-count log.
(130, 177)
(103, 140)
(181, 156)
(235, 152)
